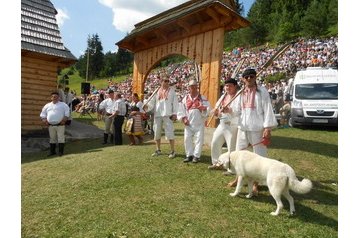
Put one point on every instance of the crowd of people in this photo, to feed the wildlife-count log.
(301, 54)
(171, 94)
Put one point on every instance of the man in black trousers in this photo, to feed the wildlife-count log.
(119, 112)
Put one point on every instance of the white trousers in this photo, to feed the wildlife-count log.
(244, 138)
(193, 140)
(223, 133)
(57, 134)
(168, 128)
(108, 125)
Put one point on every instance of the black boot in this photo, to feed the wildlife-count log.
(105, 138)
(111, 139)
(52, 150)
(61, 146)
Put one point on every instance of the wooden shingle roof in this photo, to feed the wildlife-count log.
(40, 32)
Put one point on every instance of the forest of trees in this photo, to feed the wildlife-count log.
(272, 21)
(278, 21)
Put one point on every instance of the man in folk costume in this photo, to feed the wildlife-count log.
(193, 110)
(118, 113)
(107, 106)
(165, 107)
(227, 128)
(256, 117)
(54, 115)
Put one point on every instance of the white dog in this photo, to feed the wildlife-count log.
(278, 176)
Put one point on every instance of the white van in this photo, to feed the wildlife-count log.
(314, 95)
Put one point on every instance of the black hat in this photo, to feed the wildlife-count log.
(249, 71)
(231, 80)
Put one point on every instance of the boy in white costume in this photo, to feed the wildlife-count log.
(227, 128)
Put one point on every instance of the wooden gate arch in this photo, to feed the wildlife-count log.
(194, 29)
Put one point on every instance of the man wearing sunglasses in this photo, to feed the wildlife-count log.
(256, 117)
(165, 106)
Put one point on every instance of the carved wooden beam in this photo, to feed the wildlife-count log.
(213, 15)
(160, 34)
(142, 40)
(222, 11)
(199, 18)
(184, 25)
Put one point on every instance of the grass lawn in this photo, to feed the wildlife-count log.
(121, 191)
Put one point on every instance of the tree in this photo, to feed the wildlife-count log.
(124, 59)
(110, 65)
(315, 20)
(92, 58)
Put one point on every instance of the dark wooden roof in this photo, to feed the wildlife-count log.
(40, 32)
(190, 18)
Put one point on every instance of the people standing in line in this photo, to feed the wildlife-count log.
(135, 114)
(136, 128)
(68, 97)
(61, 93)
(68, 100)
(285, 111)
(99, 112)
(227, 128)
(256, 118)
(136, 102)
(107, 107)
(148, 123)
(279, 101)
(54, 115)
(193, 110)
(165, 107)
(118, 114)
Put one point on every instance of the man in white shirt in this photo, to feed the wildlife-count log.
(54, 115)
(118, 114)
(256, 117)
(107, 107)
(226, 132)
(193, 110)
(165, 107)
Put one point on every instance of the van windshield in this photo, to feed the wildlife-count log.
(317, 91)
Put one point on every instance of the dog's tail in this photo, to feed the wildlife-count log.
(297, 186)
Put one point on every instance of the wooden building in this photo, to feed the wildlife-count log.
(194, 29)
(42, 56)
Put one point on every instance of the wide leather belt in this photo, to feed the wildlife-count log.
(58, 124)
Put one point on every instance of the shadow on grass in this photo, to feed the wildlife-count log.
(80, 146)
(303, 212)
(321, 148)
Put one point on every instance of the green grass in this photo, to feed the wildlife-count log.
(121, 191)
